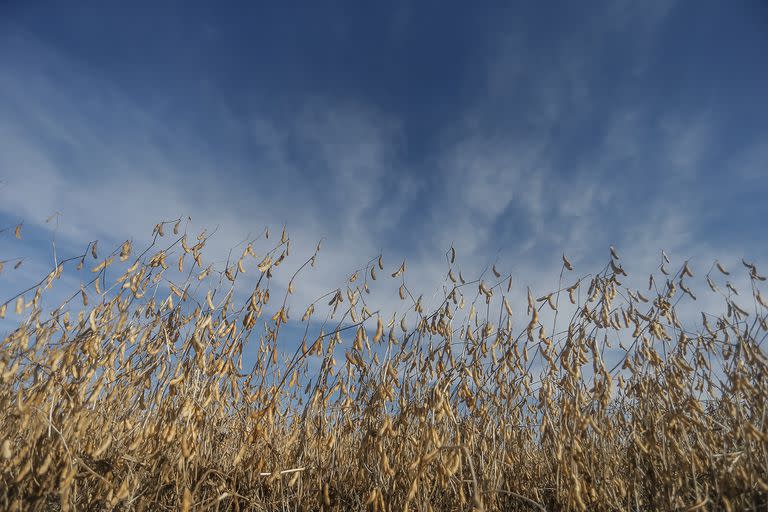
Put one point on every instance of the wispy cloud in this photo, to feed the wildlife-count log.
(567, 147)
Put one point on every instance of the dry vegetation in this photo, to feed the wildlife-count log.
(133, 394)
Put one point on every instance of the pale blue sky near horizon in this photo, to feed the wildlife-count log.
(512, 130)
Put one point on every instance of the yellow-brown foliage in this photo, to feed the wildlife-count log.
(132, 393)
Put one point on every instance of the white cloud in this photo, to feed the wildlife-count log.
(73, 142)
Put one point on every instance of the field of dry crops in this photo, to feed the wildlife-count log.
(158, 384)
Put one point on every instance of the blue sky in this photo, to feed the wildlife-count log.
(515, 133)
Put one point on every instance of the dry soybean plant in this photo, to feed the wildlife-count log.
(158, 384)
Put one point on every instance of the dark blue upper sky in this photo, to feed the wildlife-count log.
(527, 128)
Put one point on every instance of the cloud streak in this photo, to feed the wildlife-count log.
(568, 147)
